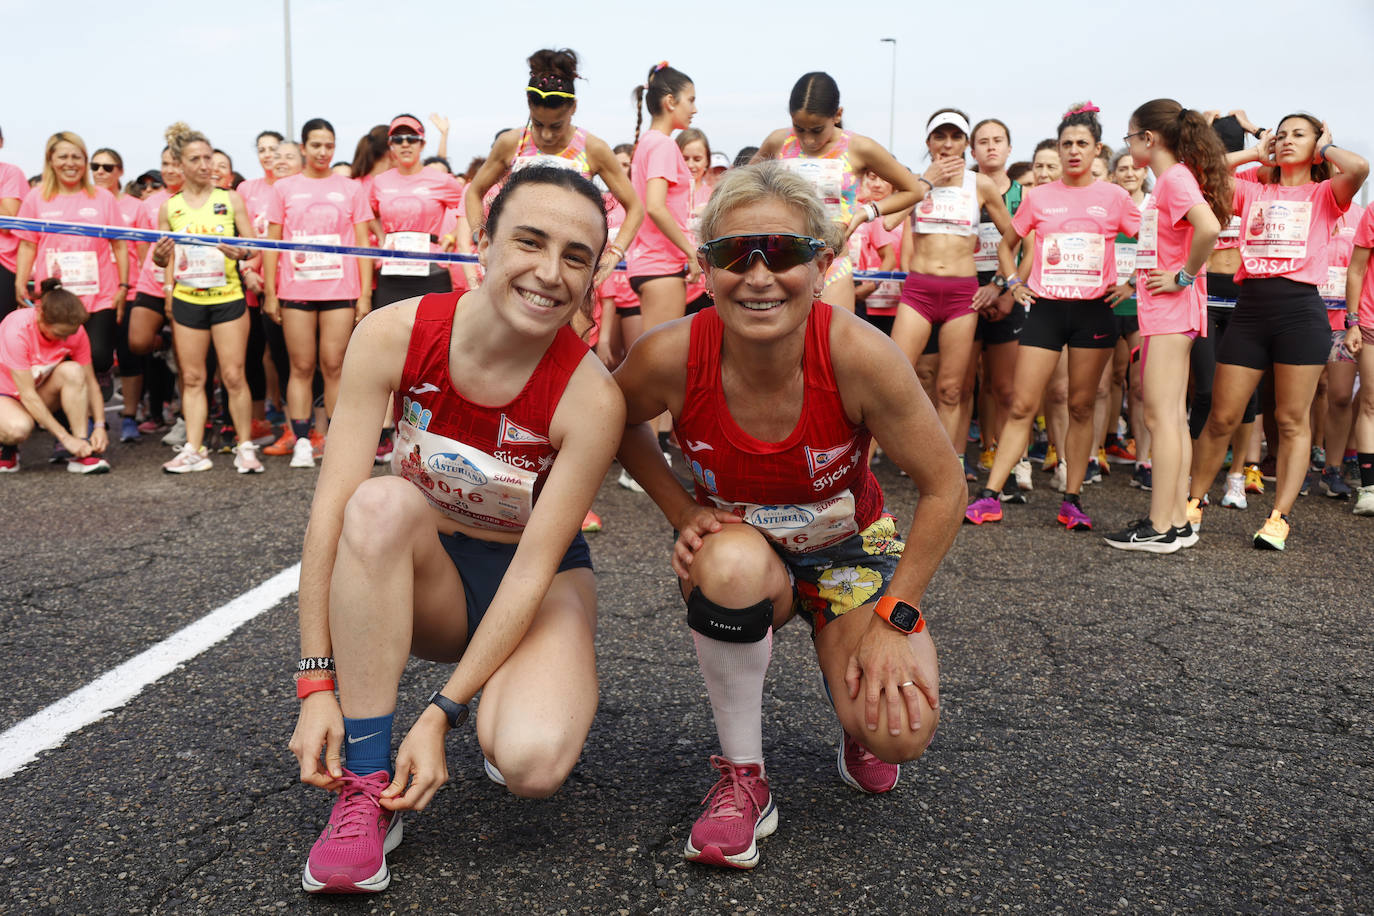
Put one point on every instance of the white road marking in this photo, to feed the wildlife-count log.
(49, 727)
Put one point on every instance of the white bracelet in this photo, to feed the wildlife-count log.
(872, 210)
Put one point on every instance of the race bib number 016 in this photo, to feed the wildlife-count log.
(801, 528)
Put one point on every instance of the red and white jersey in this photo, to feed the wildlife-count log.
(810, 490)
(479, 465)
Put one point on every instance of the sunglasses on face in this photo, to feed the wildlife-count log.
(103, 166)
(403, 139)
(735, 253)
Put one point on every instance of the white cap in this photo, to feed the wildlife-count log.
(950, 118)
(720, 161)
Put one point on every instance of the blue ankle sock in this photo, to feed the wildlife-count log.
(367, 744)
(301, 428)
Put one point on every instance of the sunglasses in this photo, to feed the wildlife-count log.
(403, 139)
(103, 166)
(735, 253)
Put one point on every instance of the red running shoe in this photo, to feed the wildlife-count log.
(739, 810)
(864, 771)
(350, 855)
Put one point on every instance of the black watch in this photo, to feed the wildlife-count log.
(1351, 321)
(998, 281)
(457, 712)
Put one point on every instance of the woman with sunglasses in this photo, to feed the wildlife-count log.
(833, 160)
(1280, 319)
(94, 269)
(941, 289)
(549, 137)
(469, 553)
(107, 171)
(317, 297)
(775, 397)
(264, 337)
(1072, 224)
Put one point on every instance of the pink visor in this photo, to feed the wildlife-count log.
(406, 122)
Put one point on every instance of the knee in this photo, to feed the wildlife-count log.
(1021, 408)
(192, 376)
(331, 366)
(534, 766)
(69, 374)
(732, 566)
(950, 392)
(1339, 400)
(380, 517)
(1291, 424)
(1057, 393)
(1081, 410)
(907, 746)
(15, 427)
(232, 376)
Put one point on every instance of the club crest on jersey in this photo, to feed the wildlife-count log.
(415, 413)
(515, 434)
(452, 464)
(818, 460)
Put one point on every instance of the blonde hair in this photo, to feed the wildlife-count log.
(50, 182)
(179, 136)
(749, 184)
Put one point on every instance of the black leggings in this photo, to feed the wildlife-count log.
(253, 369)
(131, 364)
(102, 331)
(276, 348)
(8, 302)
(1204, 366)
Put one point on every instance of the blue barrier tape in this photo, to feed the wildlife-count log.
(128, 234)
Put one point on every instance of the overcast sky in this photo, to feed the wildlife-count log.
(121, 73)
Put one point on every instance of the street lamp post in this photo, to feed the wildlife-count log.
(290, 113)
(892, 98)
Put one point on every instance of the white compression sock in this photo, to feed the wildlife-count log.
(734, 673)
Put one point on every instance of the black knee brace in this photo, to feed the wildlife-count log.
(728, 624)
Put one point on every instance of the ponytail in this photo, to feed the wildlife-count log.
(662, 82)
(1186, 134)
(58, 306)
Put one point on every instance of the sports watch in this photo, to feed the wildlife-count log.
(457, 712)
(903, 616)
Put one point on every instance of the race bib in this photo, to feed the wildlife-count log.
(1147, 250)
(803, 528)
(1231, 231)
(199, 267)
(885, 299)
(1277, 229)
(558, 162)
(79, 271)
(462, 481)
(406, 241)
(1072, 259)
(1333, 290)
(317, 265)
(827, 177)
(948, 211)
(1127, 260)
(988, 240)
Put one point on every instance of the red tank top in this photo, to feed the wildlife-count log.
(483, 466)
(810, 490)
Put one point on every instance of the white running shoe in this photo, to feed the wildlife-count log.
(303, 453)
(188, 460)
(629, 482)
(1022, 472)
(492, 772)
(246, 459)
(1364, 500)
(1235, 492)
(176, 436)
(1061, 476)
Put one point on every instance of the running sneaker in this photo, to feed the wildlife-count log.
(385, 446)
(862, 769)
(1141, 535)
(987, 457)
(60, 455)
(263, 433)
(1364, 497)
(350, 855)
(1185, 534)
(1333, 484)
(128, 429)
(975, 432)
(1022, 472)
(1254, 480)
(1235, 492)
(246, 459)
(188, 460)
(1318, 455)
(283, 445)
(492, 772)
(1093, 474)
(1143, 477)
(1274, 534)
(1307, 480)
(1195, 513)
(1118, 453)
(591, 523)
(984, 509)
(1038, 449)
(1269, 469)
(1061, 477)
(148, 427)
(629, 482)
(316, 444)
(9, 461)
(739, 810)
(1012, 494)
(1072, 517)
(1104, 467)
(91, 464)
(302, 454)
(176, 436)
(1350, 467)
(970, 470)
(1051, 459)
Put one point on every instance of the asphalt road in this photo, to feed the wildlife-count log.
(1121, 733)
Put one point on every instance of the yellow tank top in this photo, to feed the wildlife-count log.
(202, 274)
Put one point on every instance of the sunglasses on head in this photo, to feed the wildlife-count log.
(402, 139)
(550, 93)
(735, 253)
(103, 166)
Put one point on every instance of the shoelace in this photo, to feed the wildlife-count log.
(728, 798)
(866, 757)
(360, 806)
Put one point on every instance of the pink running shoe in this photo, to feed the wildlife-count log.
(739, 810)
(864, 771)
(350, 855)
(986, 509)
(1073, 517)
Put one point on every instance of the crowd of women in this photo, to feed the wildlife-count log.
(1086, 308)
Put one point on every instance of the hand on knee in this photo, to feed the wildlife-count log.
(901, 748)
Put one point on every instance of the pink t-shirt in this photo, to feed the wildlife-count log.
(1166, 210)
(414, 203)
(13, 186)
(23, 347)
(1364, 238)
(657, 156)
(150, 276)
(264, 206)
(1285, 231)
(872, 238)
(128, 208)
(84, 263)
(1075, 232)
(323, 210)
